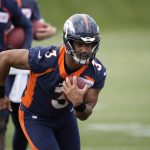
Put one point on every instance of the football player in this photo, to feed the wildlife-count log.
(47, 118)
(9, 11)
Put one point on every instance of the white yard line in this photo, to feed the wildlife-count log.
(114, 148)
(134, 129)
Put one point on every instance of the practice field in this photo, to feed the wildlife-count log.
(121, 119)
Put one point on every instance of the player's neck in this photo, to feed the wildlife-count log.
(71, 63)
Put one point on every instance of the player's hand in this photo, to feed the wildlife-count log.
(73, 93)
(45, 32)
(5, 103)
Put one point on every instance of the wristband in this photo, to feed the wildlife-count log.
(2, 91)
(81, 107)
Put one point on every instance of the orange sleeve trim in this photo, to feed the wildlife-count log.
(21, 120)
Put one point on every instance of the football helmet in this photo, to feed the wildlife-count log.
(82, 28)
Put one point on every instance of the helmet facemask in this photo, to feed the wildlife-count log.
(73, 33)
(82, 58)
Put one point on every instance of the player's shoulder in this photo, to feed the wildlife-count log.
(12, 7)
(42, 58)
(98, 66)
(34, 1)
(46, 52)
(29, 2)
(96, 72)
(96, 69)
(9, 4)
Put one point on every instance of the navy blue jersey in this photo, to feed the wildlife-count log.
(9, 11)
(44, 95)
(30, 9)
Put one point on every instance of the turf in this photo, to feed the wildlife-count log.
(121, 119)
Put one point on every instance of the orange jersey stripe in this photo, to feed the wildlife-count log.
(61, 62)
(27, 98)
(21, 120)
(78, 73)
(62, 68)
(89, 78)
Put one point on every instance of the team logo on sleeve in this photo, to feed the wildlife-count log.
(39, 54)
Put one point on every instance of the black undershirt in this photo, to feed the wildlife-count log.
(69, 70)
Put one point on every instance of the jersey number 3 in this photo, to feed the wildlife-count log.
(56, 103)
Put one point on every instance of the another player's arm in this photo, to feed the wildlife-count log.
(12, 58)
(90, 100)
(44, 30)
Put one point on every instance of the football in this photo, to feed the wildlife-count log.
(15, 38)
(80, 82)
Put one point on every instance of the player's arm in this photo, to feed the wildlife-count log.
(83, 100)
(84, 110)
(41, 29)
(11, 58)
(44, 32)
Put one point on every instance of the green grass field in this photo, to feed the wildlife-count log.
(121, 119)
